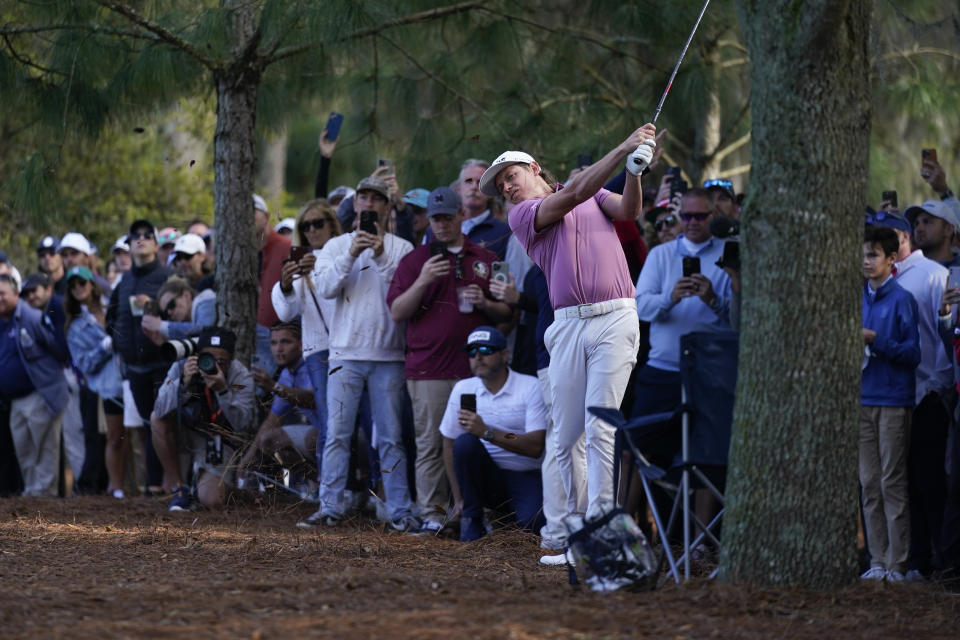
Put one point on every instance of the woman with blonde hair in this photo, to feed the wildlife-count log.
(294, 296)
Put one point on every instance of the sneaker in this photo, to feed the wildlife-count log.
(895, 576)
(429, 527)
(915, 576)
(405, 524)
(472, 529)
(874, 573)
(558, 560)
(118, 494)
(182, 500)
(318, 519)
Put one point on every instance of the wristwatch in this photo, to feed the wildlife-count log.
(488, 434)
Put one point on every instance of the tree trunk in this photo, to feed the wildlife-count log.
(233, 148)
(792, 487)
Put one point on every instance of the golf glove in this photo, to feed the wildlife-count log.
(639, 159)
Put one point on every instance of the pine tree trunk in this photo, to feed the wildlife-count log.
(234, 159)
(792, 486)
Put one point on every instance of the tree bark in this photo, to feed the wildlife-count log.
(792, 486)
(236, 244)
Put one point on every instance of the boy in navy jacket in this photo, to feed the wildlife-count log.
(887, 396)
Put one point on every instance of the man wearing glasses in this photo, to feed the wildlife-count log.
(426, 292)
(493, 451)
(675, 303)
(142, 363)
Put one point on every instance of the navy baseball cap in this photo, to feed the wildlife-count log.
(888, 218)
(443, 201)
(33, 281)
(486, 336)
(49, 243)
(217, 337)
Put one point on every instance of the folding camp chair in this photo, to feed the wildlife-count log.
(708, 372)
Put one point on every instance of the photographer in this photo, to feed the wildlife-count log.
(211, 396)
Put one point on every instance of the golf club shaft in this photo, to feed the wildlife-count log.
(656, 114)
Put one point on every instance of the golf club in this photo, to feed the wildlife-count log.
(634, 157)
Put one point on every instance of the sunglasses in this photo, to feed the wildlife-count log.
(146, 235)
(725, 184)
(483, 351)
(669, 221)
(699, 216)
(307, 225)
(167, 310)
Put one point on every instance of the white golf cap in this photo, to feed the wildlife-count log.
(488, 181)
(260, 204)
(190, 244)
(120, 245)
(76, 241)
(935, 208)
(286, 223)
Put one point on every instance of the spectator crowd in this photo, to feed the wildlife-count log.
(428, 355)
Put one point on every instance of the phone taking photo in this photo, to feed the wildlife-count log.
(500, 272)
(890, 196)
(438, 248)
(368, 221)
(928, 154)
(691, 266)
(333, 126)
(468, 402)
(297, 253)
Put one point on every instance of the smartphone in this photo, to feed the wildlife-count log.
(438, 248)
(468, 402)
(691, 266)
(333, 126)
(953, 281)
(584, 159)
(891, 196)
(731, 255)
(368, 220)
(928, 154)
(673, 172)
(384, 162)
(501, 272)
(297, 253)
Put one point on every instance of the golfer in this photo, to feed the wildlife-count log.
(568, 232)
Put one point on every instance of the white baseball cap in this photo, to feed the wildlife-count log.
(76, 241)
(121, 245)
(190, 244)
(286, 223)
(488, 181)
(935, 208)
(260, 204)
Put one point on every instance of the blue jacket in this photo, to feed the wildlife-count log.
(41, 355)
(889, 379)
(99, 365)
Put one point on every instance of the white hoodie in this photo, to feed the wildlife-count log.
(300, 302)
(362, 328)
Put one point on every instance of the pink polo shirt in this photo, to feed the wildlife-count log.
(580, 255)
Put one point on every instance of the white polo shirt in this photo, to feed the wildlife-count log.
(517, 408)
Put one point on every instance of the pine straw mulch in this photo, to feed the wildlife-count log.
(94, 567)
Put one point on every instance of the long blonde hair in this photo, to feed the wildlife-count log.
(329, 213)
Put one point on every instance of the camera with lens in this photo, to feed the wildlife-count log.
(207, 364)
(174, 350)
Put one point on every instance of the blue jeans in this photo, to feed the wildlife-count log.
(344, 388)
(317, 369)
(484, 484)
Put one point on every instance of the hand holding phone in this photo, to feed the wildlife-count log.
(368, 221)
(468, 402)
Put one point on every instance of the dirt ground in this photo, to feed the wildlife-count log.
(90, 567)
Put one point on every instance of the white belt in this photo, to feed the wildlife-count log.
(595, 309)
